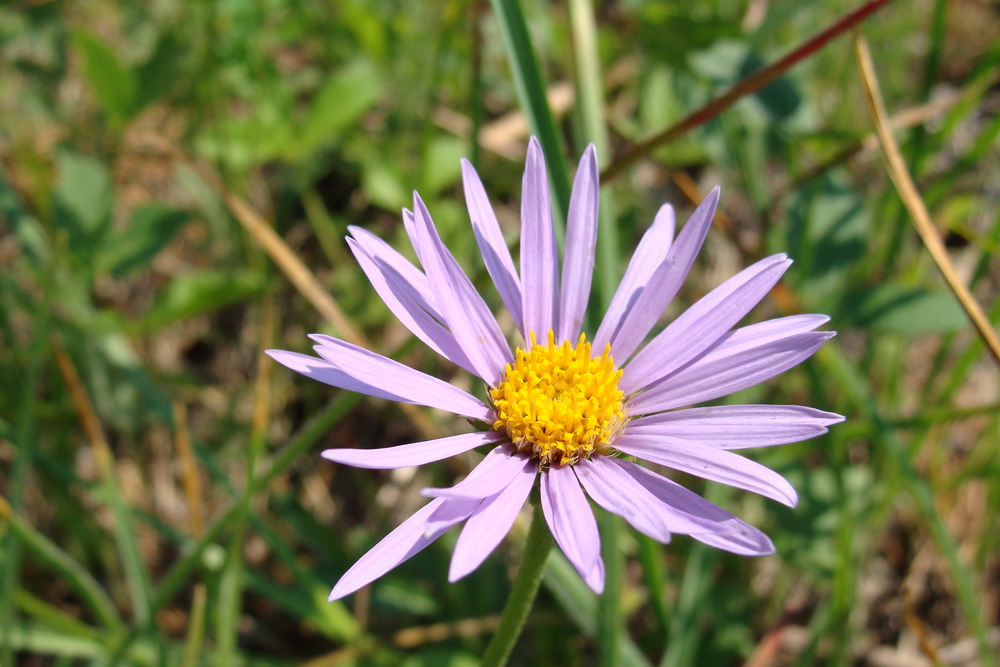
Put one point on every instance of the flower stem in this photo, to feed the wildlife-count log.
(522, 596)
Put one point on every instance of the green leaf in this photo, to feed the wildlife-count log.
(342, 100)
(113, 82)
(160, 73)
(195, 293)
(442, 164)
(82, 201)
(150, 229)
(903, 310)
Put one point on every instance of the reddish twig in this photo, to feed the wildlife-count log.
(750, 84)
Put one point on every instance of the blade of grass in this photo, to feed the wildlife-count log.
(65, 567)
(914, 204)
(136, 575)
(307, 436)
(191, 657)
(741, 89)
(531, 93)
(22, 468)
(580, 604)
(855, 388)
(53, 617)
(230, 596)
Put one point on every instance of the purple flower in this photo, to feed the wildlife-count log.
(566, 410)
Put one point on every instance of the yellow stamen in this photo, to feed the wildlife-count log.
(560, 404)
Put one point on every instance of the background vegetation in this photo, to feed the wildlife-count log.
(163, 501)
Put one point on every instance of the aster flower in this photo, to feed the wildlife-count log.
(568, 411)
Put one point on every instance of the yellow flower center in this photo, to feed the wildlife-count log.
(559, 403)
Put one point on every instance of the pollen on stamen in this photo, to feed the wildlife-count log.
(560, 404)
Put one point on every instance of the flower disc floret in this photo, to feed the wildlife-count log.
(559, 403)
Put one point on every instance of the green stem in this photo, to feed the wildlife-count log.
(522, 596)
(531, 93)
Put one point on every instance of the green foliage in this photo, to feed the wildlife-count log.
(214, 532)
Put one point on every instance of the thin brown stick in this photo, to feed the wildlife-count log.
(84, 410)
(295, 270)
(914, 203)
(746, 86)
(189, 470)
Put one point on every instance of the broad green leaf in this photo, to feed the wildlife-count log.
(342, 100)
(442, 164)
(383, 185)
(150, 229)
(82, 201)
(160, 73)
(113, 82)
(911, 311)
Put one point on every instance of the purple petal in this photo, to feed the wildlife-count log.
(404, 302)
(703, 324)
(460, 508)
(383, 253)
(572, 523)
(464, 310)
(488, 525)
(395, 380)
(501, 473)
(581, 244)
(447, 515)
(762, 333)
(595, 578)
(491, 242)
(663, 285)
(738, 426)
(714, 464)
(414, 454)
(602, 481)
(686, 512)
(324, 372)
(401, 544)
(650, 253)
(709, 378)
(539, 262)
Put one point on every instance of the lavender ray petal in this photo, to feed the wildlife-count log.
(595, 578)
(738, 426)
(571, 521)
(581, 245)
(382, 252)
(483, 486)
(454, 510)
(650, 253)
(688, 513)
(602, 482)
(713, 464)
(322, 371)
(762, 333)
(413, 454)
(491, 243)
(490, 523)
(665, 281)
(405, 541)
(539, 261)
(707, 379)
(703, 324)
(397, 380)
(404, 302)
(464, 310)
